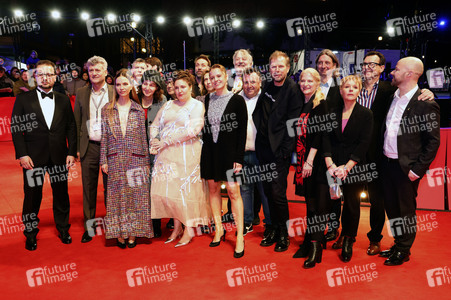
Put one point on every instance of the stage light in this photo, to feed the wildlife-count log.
(160, 19)
(133, 24)
(210, 21)
(144, 50)
(390, 30)
(260, 24)
(236, 23)
(84, 16)
(132, 39)
(187, 20)
(335, 52)
(442, 23)
(363, 195)
(299, 31)
(111, 17)
(223, 186)
(136, 18)
(18, 13)
(380, 38)
(56, 14)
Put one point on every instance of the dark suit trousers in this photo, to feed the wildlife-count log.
(400, 203)
(351, 209)
(33, 183)
(90, 177)
(276, 189)
(377, 211)
(334, 216)
(318, 202)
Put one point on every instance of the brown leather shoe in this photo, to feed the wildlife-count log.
(339, 243)
(374, 248)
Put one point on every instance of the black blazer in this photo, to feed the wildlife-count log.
(287, 107)
(41, 143)
(333, 98)
(217, 158)
(419, 135)
(353, 142)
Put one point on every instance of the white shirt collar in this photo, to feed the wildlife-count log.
(409, 94)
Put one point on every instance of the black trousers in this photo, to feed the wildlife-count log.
(318, 204)
(334, 215)
(400, 203)
(33, 182)
(90, 177)
(351, 209)
(377, 211)
(276, 189)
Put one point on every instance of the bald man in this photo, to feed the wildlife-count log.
(411, 137)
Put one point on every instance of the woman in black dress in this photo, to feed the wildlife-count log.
(222, 156)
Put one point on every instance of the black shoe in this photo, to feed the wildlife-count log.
(216, 244)
(170, 224)
(131, 245)
(269, 238)
(339, 243)
(314, 256)
(346, 251)
(239, 254)
(65, 237)
(121, 245)
(397, 258)
(248, 228)
(282, 244)
(388, 253)
(331, 235)
(304, 249)
(256, 221)
(31, 243)
(86, 237)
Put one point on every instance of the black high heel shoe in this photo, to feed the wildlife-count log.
(315, 255)
(215, 244)
(121, 245)
(304, 248)
(239, 254)
(346, 251)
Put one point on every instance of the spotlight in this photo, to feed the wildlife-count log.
(132, 39)
(379, 38)
(84, 16)
(136, 18)
(363, 195)
(18, 13)
(160, 19)
(260, 24)
(187, 20)
(210, 21)
(223, 186)
(144, 50)
(236, 23)
(133, 24)
(56, 14)
(111, 17)
(299, 31)
(390, 30)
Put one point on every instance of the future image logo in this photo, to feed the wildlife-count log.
(209, 25)
(410, 25)
(110, 25)
(309, 25)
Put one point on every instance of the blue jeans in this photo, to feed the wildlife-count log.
(247, 192)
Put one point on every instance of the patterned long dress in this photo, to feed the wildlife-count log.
(127, 157)
(177, 191)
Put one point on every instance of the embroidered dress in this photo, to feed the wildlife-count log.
(177, 191)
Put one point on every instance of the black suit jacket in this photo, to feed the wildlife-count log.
(333, 98)
(418, 136)
(353, 142)
(287, 106)
(39, 142)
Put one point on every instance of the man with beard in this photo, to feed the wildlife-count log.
(202, 64)
(279, 102)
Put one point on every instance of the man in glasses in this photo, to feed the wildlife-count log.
(377, 95)
(45, 140)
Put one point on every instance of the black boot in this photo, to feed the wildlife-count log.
(304, 249)
(282, 241)
(346, 251)
(269, 236)
(314, 256)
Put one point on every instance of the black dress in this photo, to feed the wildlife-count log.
(217, 158)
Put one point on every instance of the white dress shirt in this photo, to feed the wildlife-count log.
(47, 107)
(96, 102)
(326, 86)
(393, 121)
(251, 129)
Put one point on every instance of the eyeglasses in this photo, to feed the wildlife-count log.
(371, 65)
(44, 75)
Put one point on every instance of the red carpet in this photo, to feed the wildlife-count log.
(99, 271)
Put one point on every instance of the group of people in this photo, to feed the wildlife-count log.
(165, 147)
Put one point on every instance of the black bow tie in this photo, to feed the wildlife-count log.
(44, 95)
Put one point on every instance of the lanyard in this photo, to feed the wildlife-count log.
(97, 105)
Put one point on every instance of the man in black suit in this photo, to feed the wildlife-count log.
(411, 138)
(49, 145)
(377, 96)
(279, 102)
(89, 102)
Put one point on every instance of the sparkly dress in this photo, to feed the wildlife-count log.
(177, 191)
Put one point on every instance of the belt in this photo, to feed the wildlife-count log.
(94, 142)
(390, 160)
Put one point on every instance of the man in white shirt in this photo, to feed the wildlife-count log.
(89, 102)
(251, 91)
(410, 142)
